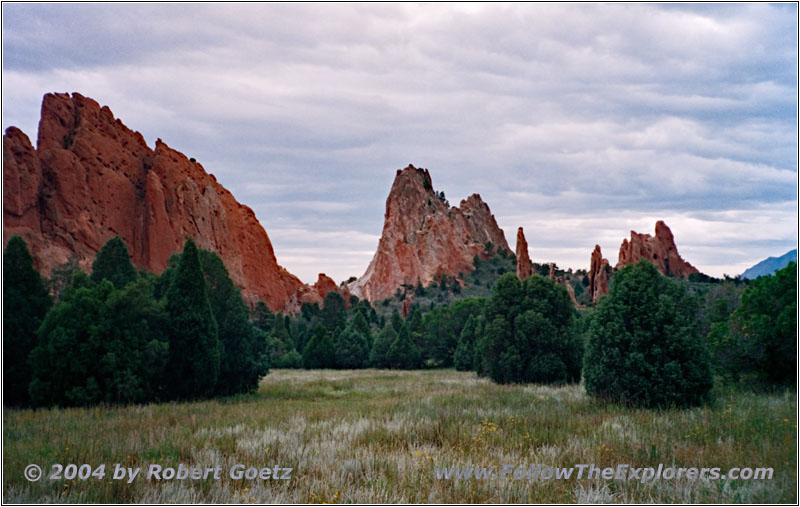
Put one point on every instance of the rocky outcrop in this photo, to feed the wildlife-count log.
(523, 260)
(424, 238)
(598, 275)
(659, 250)
(91, 178)
(563, 281)
(314, 294)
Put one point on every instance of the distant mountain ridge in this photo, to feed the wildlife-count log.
(770, 265)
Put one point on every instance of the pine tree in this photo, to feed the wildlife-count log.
(644, 348)
(360, 324)
(397, 321)
(25, 303)
(333, 314)
(113, 263)
(384, 340)
(319, 352)
(530, 333)
(263, 317)
(194, 348)
(243, 356)
(132, 345)
(99, 344)
(351, 349)
(465, 352)
(404, 353)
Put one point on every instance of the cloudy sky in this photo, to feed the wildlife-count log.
(579, 122)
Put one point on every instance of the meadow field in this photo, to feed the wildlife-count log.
(376, 436)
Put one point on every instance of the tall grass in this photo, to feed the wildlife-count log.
(375, 436)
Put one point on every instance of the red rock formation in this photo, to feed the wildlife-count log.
(570, 290)
(324, 285)
(659, 250)
(598, 278)
(563, 281)
(312, 294)
(406, 307)
(523, 260)
(423, 238)
(91, 178)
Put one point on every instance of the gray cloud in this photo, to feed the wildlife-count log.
(578, 121)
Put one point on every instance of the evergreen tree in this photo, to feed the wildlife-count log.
(481, 347)
(360, 324)
(243, 359)
(65, 360)
(397, 321)
(25, 303)
(263, 317)
(333, 314)
(644, 348)
(319, 353)
(113, 263)
(309, 311)
(132, 344)
(758, 341)
(380, 349)
(404, 353)
(280, 343)
(101, 344)
(465, 352)
(301, 336)
(194, 350)
(530, 333)
(352, 350)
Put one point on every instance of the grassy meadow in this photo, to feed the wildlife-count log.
(375, 436)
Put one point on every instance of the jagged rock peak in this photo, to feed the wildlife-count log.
(598, 276)
(424, 238)
(91, 178)
(659, 250)
(523, 260)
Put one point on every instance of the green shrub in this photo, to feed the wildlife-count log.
(643, 347)
(530, 333)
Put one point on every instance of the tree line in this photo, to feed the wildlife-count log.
(122, 336)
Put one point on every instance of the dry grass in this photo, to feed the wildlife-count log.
(374, 436)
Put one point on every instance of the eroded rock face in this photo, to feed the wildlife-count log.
(523, 260)
(659, 250)
(91, 178)
(424, 238)
(312, 294)
(598, 277)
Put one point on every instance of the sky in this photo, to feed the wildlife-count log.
(578, 122)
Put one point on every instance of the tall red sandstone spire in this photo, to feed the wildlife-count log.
(91, 178)
(424, 238)
(598, 279)
(523, 260)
